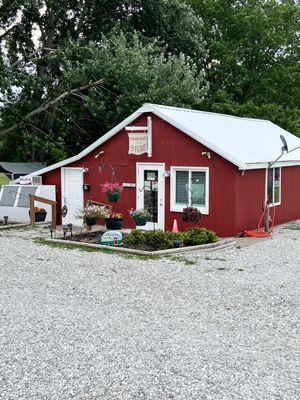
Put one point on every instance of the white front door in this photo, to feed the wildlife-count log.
(72, 194)
(151, 193)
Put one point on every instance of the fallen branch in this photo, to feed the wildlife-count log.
(31, 57)
(7, 32)
(49, 104)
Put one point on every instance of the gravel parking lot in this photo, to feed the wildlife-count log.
(81, 325)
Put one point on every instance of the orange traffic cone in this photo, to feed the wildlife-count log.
(175, 226)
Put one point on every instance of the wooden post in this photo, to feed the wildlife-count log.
(32, 213)
(54, 215)
(52, 203)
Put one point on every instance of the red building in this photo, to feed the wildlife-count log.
(167, 158)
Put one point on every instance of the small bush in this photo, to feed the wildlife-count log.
(135, 238)
(197, 236)
(211, 236)
(174, 236)
(159, 240)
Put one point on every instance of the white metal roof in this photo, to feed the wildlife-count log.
(248, 143)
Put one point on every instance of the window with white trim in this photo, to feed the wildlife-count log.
(274, 185)
(189, 187)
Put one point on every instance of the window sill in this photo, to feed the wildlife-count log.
(275, 204)
(203, 211)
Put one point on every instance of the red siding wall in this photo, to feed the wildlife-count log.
(251, 192)
(235, 200)
(290, 195)
(250, 199)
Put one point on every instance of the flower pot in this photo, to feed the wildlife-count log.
(113, 197)
(113, 223)
(140, 221)
(39, 216)
(90, 221)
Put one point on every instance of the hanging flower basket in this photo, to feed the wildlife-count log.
(140, 217)
(191, 215)
(113, 197)
(112, 191)
(114, 221)
(140, 221)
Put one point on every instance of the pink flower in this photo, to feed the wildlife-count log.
(111, 188)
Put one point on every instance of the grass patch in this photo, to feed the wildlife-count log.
(183, 260)
(4, 180)
(69, 246)
(214, 259)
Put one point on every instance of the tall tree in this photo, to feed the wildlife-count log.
(46, 42)
(99, 85)
(252, 58)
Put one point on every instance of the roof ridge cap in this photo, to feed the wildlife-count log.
(206, 112)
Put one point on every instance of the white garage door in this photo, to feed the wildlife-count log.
(72, 194)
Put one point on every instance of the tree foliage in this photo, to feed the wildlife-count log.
(252, 58)
(236, 57)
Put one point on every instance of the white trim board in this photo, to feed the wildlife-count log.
(177, 208)
(160, 167)
(266, 186)
(62, 174)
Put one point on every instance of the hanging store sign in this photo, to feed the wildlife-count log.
(140, 139)
(25, 181)
(138, 143)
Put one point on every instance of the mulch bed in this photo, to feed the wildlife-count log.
(95, 238)
(90, 237)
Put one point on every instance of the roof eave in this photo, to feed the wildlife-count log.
(260, 165)
(92, 147)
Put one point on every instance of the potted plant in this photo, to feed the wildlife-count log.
(191, 214)
(141, 217)
(112, 191)
(91, 214)
(39, 214)
(114, 220)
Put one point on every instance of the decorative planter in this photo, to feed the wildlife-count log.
(90, 221)
(140, 221)
(113, 223)
(39, 216)
(113, 197)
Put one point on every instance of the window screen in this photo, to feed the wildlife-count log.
(198, 188)
(270, 185)
(182, 187)
(277, 185)
(274, 185)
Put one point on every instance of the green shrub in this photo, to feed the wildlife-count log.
(211, 236)
(174, 236)
(197, 236)
(153, 240)
(136, 237)
(159, 240)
